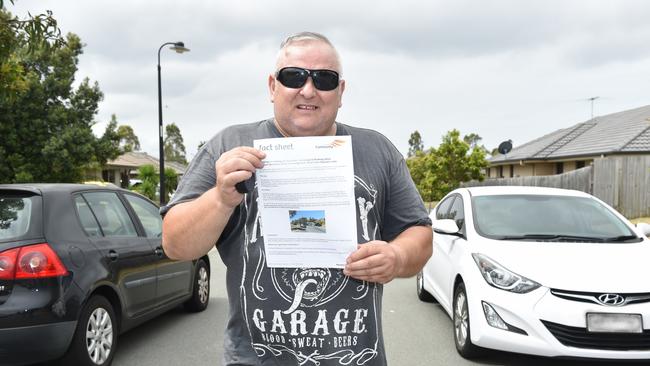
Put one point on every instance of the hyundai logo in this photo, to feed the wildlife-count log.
(611, 299)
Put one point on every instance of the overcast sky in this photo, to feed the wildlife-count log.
(502, 69)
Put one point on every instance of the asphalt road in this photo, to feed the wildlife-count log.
(415, 333)
(314, 229)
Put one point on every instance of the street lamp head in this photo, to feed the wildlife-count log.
(179, 47)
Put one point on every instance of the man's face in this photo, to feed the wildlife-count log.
(306, 111)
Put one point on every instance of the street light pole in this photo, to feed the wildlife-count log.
(179, 47)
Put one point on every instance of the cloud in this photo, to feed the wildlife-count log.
(504, 69)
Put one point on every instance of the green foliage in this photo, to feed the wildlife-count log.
(12, 80)
(35, 32)
(173, 144)
(415, 144)
(46, 123)
(472, 140)
(128, 140)
(438, 171)
(171, 182)
(107, 146)
(149, 177)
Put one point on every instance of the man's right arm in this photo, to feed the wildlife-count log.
(190, 229)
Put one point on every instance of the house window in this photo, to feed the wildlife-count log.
(580, 164)
(108, 175)
(512, 171)
(500, 171)
(559, 168)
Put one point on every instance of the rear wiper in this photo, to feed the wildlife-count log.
(551, 237)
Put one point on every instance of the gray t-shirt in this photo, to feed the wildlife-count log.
(338, 321)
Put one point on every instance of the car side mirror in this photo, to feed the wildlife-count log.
(643, 228)
(446, 226)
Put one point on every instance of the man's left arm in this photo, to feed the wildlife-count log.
(404, 256)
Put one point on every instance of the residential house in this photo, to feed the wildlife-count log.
(125, 167)
(617, 134)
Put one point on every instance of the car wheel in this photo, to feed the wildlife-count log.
(423, 294)
(200, 289)
(462, 328)
(95, 339)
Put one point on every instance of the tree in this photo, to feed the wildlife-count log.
(415, 143)
(457, 163)
(441, 170)
(107, 146)
(149, 177)
(37, 31)
(40, 31)
(171, 182)
(39, 105)
(472, 140)
(423, 172)
(128, 140)
(47, 124)
(173, 146)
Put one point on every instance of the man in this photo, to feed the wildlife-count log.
(300, 316)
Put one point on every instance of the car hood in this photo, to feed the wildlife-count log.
(589, 267)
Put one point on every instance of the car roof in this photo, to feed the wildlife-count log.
(56, 187)
(513, 190)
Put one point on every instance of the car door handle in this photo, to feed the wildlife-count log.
(113, 255)
(159, 251)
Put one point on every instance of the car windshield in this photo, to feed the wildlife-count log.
(15, 215)
(548, 218)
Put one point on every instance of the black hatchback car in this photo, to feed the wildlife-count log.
(79, 264)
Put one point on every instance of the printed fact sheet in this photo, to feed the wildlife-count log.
(306, 201)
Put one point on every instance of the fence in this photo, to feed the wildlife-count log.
(623, 182)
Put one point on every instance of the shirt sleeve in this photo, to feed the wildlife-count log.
(199, 177)
(404, 206)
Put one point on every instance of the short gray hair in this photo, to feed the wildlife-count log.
(309, 37)
(304, 36)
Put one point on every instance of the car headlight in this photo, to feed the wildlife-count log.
(498, 276)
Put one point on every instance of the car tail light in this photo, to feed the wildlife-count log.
(32, 261)
(8, 264)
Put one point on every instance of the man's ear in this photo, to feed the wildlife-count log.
(271, 87)
(342, 86)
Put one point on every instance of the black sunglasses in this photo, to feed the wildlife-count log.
(296, 77)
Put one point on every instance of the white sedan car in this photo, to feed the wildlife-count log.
(540, 271)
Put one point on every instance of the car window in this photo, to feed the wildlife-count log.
(443, 208)
(88, 221)
(516, 215)
(15, 216)
(148, 214)
(111, 214)
(457, 213)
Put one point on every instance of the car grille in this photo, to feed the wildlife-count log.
(592, 297)
(580, 338)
